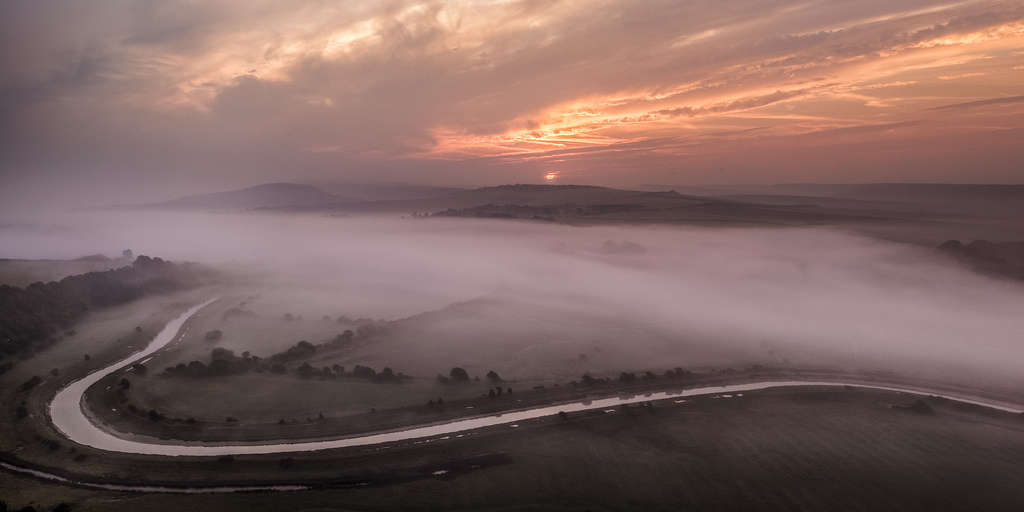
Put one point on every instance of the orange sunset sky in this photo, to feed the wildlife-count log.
(119, 101)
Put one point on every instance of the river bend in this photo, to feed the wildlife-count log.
(66, 412)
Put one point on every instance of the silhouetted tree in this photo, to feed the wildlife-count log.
(459, 375)
(31, 383)
(493, 377)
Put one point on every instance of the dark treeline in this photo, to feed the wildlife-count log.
(1003, 258)
(225, 362)
(32, 317)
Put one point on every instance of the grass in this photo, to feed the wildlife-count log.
(268, 397)
(777, 449)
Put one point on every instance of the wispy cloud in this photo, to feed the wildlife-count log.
(355, 87)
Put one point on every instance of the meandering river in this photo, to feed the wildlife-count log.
(66, 412)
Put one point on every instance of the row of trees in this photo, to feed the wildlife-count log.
(222, 362)
(629, 377)
(225, 362)
(458, 374)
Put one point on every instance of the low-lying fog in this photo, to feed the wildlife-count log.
(764, 295)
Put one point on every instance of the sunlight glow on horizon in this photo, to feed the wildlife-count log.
(503, 85)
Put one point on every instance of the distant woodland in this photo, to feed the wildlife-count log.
(1002, 258)
(32, 318)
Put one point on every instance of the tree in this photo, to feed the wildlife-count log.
(363, 372)
(31, 383)
(493, 377)
(459, 375)
(125, 384)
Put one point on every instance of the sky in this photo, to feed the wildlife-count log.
(117, 101)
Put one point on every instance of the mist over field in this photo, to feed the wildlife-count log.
(727, 296)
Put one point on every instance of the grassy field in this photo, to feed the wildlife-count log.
(796, 449)
(528, 345)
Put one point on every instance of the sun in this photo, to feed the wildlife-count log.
(550, 176)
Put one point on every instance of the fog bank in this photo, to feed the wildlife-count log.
(801, 295)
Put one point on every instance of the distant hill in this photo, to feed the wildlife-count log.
(22, 273)
(271, 195)
(370, 192)
(961, 199)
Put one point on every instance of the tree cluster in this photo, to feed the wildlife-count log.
(630, 377)
(508, 211)
(31, 317)
(222, 362)
(387, 375)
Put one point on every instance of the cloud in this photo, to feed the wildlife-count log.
(230, 93)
